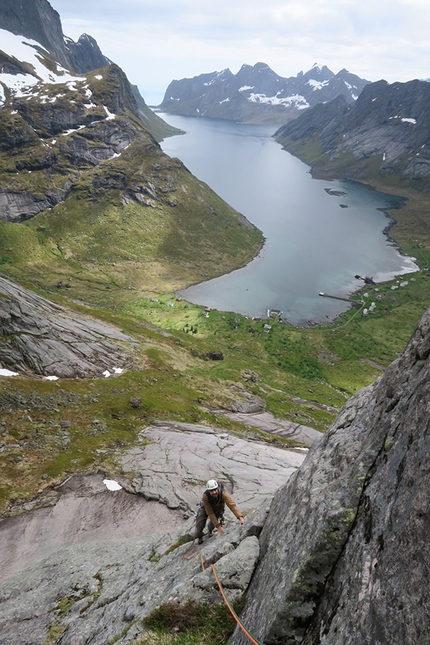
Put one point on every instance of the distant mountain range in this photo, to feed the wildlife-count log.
(385, 132)
(256, 94)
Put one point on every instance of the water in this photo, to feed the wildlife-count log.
(313, 243)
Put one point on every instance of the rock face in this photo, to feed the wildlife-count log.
(55, 122)
(38, 336)
(388, 127)
(166, 470)
(257, 94)
(36, 19)
(89, 563)
(340, 556)
(344, 553)
(60, 132)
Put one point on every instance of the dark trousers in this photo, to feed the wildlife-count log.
(201, 519)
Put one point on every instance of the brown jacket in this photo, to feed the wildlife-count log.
(214, 512)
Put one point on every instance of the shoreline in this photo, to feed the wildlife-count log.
(214, 277)
(348, 288)
(355, 292)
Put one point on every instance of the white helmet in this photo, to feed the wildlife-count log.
(212, 484)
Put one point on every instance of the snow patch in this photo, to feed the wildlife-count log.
(64, 134)
(4, 372)
(98, 77)
(51, 378)
(224, 101)
(111, 484)
(215, 78)
(115, 370)
(244, 88)
(297, 100)
(316, 85)
(24, 50)
(110, 115)
(403, 119)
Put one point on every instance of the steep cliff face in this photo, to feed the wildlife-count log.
(387, 131)
(36, 19)
(59, 129)
(345, 552)
(87, 144)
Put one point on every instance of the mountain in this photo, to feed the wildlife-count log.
(81, 167)
(37, 20)
(256, 94)
(384, 134)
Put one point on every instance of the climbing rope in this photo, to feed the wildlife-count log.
(233, 613)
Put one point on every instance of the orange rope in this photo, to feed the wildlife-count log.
(233, 613)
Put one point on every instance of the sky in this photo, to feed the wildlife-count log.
(157, 41)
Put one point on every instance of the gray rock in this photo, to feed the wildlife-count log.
(84, 548)
(345, 549)
(39, 336)
(234, 568)
(178, 460)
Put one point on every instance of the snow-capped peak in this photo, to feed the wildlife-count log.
(26, 50)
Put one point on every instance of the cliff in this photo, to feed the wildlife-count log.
(344, 552)
(40, 337)
(85, 145)
(384, 134)
(339, 557)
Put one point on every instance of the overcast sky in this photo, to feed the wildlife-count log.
(156, 41)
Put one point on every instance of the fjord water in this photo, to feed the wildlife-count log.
(315, 241)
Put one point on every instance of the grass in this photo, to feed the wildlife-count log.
(190, 623)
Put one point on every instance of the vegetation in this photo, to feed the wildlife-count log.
(131, 232)
(305, 375)
(190, 623)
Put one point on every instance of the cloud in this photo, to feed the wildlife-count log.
(156, 41)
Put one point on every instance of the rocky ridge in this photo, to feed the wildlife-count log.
(58, 124)
(117, 555)
(46, 93)
(256, 94)
(39, 337)
(385, 130)
(79, 154)
(37, 20)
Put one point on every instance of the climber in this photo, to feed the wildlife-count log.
(212, 506)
